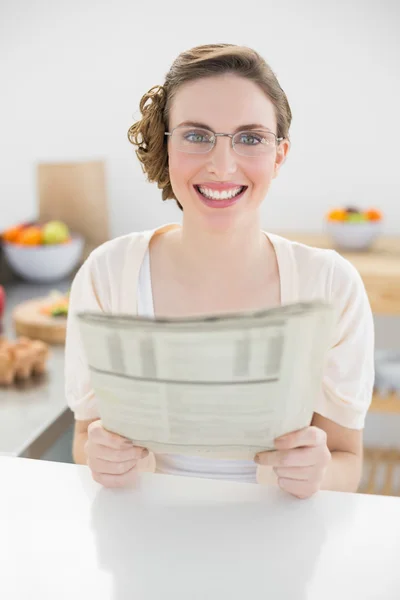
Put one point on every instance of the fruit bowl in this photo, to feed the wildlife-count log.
(349, 236)
(44, 263)
(353, 229)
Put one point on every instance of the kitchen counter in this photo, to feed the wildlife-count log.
(63, 536)
(33, 414)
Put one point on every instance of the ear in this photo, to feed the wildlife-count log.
(281, 154)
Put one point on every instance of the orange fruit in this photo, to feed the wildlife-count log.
(11, 234)
(373, 214)
(30, 236)
(337, 214)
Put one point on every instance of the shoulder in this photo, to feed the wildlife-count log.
(101, 278)
(325, 274)
(303, 254)
(111, 253)
(107, 261)
(131, 248)
(111, 271)
(320, 272)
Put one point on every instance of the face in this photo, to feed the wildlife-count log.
(225, 104)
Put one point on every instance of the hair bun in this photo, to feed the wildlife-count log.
(155, 98)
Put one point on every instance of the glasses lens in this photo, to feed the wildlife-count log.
(192, 140)
(254, 143)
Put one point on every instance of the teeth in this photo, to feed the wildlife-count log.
(225, 195)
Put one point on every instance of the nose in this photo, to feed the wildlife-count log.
(222, 160)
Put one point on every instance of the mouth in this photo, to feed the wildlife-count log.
(220, 199)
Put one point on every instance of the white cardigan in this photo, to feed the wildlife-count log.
(114, 274)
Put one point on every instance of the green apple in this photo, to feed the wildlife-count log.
(55, 232)
(355, 218)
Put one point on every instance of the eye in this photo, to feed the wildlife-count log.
(255, 138)
(249, 138)
(197, 137)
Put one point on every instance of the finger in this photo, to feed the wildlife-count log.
(121, 455)
(300, 489)
(98, 434)
(106, 467)
(116, 481)
(300, 457)
(298, 473)
(309, 436)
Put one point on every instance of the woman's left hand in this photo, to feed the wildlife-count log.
(300, 461)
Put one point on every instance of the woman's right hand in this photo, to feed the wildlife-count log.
(111, 457)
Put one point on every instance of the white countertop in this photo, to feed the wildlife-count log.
(64, 537)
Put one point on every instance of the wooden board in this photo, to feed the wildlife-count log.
(75, 193)
(29, 322)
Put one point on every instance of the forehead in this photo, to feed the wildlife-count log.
(223, 102)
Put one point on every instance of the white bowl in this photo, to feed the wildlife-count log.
(44, 263)
(353, 236)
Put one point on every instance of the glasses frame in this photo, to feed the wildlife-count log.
(215, 135)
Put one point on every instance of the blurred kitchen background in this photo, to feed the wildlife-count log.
(72, 77)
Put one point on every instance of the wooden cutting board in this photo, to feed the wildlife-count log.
(29, 322)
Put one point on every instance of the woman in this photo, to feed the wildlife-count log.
(213, 137)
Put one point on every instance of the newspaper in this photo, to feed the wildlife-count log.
(221, 386)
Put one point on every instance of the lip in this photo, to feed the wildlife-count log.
(226, 203)
(220, 186)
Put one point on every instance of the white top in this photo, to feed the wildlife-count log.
(65, 537)
(177, 464)
(116, 278)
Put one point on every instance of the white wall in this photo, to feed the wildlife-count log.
(72, 74)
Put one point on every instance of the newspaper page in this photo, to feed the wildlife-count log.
(221, 386)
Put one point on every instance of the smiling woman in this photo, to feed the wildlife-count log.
(213, 137)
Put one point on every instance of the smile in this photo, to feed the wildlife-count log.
(220, 198)
(223, 195)
(220, 195)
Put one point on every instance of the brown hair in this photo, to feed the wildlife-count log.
(147, 134)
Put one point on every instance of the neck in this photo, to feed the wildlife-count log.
(231, 250)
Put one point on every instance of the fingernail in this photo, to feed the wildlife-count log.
(145, 453)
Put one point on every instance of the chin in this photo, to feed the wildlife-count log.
(221, 220)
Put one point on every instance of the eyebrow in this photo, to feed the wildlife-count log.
(241, 128)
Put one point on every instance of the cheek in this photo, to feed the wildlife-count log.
(260, 172)
(182, 167)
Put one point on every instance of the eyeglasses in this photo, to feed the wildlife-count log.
(194, 140)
